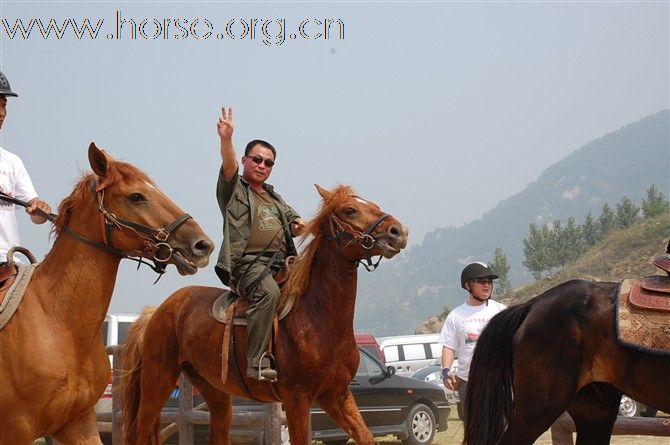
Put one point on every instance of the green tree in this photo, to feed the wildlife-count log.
(534, 248)
(626, 213)
(572, 243)
(554, 245)
(501, 267)
(655, 203)
(606, 220)
(590, 231)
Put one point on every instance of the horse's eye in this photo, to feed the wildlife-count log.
(349, 211)
(136, 197)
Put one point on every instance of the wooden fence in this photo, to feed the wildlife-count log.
(562, 429)
(248, 423)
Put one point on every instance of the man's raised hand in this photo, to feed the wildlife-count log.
(225, 124)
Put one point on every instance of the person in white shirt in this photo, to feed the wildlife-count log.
(15, 183)
(463, 326)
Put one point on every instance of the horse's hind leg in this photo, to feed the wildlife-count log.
(160, 371)
(540, 397)
(220, 410)
(594, 411)
(341, 407)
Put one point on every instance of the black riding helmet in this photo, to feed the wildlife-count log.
(476, 270)
(5, 89)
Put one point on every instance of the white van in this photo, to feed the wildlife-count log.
(114, 332)
(408, 353)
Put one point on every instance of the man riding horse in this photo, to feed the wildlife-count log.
(15, 183)
(258, 227)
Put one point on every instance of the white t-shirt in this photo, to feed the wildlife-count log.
(15, 182)
(462, 328)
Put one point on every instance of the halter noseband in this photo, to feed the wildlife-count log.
(342, 230)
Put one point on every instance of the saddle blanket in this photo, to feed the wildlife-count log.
(10, 302)
(641, 328)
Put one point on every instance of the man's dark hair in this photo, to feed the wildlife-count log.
(262, 143)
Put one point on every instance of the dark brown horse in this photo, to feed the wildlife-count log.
(53, 364)
(558, 352)
(315, 348)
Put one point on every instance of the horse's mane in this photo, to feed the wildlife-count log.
(301, 272)
(116, 172)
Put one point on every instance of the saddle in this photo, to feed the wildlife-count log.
(653, 293)
(13, 284)
(241, 304)
(231, 309)
(9, 270)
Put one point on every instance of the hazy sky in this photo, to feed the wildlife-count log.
(436, 111)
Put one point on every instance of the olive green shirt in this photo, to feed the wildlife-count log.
(236, 209)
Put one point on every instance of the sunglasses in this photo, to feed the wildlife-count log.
(258, 159)
(488, 281)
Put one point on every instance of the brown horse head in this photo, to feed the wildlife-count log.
(135, 218)
(358, 228)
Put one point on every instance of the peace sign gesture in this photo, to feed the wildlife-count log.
(225, 124)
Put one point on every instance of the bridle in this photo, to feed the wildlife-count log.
(154, 238)
(155, 248)
(344, 231)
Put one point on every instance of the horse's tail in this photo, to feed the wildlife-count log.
(488, 401)
(131, 365)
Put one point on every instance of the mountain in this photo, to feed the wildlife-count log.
(624, 253)
(424, 279)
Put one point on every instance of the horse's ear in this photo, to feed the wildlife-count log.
(98, 160)
(325, 194)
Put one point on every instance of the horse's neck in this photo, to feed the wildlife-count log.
(331, 291)
(77, 280)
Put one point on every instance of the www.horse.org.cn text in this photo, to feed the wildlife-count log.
(270, 32)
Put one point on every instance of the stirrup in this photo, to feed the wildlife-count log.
(266, 371)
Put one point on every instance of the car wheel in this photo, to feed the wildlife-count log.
(628, 407)
(421, 425)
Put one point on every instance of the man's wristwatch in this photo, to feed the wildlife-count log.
(445, 373)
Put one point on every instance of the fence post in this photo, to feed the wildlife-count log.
(185, 410)
(273, 422)
(117, 397)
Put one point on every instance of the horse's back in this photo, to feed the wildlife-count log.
(189, 298)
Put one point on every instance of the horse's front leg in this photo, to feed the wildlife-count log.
(82, 431)
(342, 408)
(297, 407)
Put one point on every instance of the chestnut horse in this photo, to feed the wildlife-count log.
(53, 364)
(558, 352)
(315, 349)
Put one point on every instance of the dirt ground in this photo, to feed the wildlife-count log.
(454, 436)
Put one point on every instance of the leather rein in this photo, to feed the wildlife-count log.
(344, 231)
(155, 248)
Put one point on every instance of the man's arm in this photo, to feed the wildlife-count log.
(224, 128)
(449, 380)
(33, 209)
